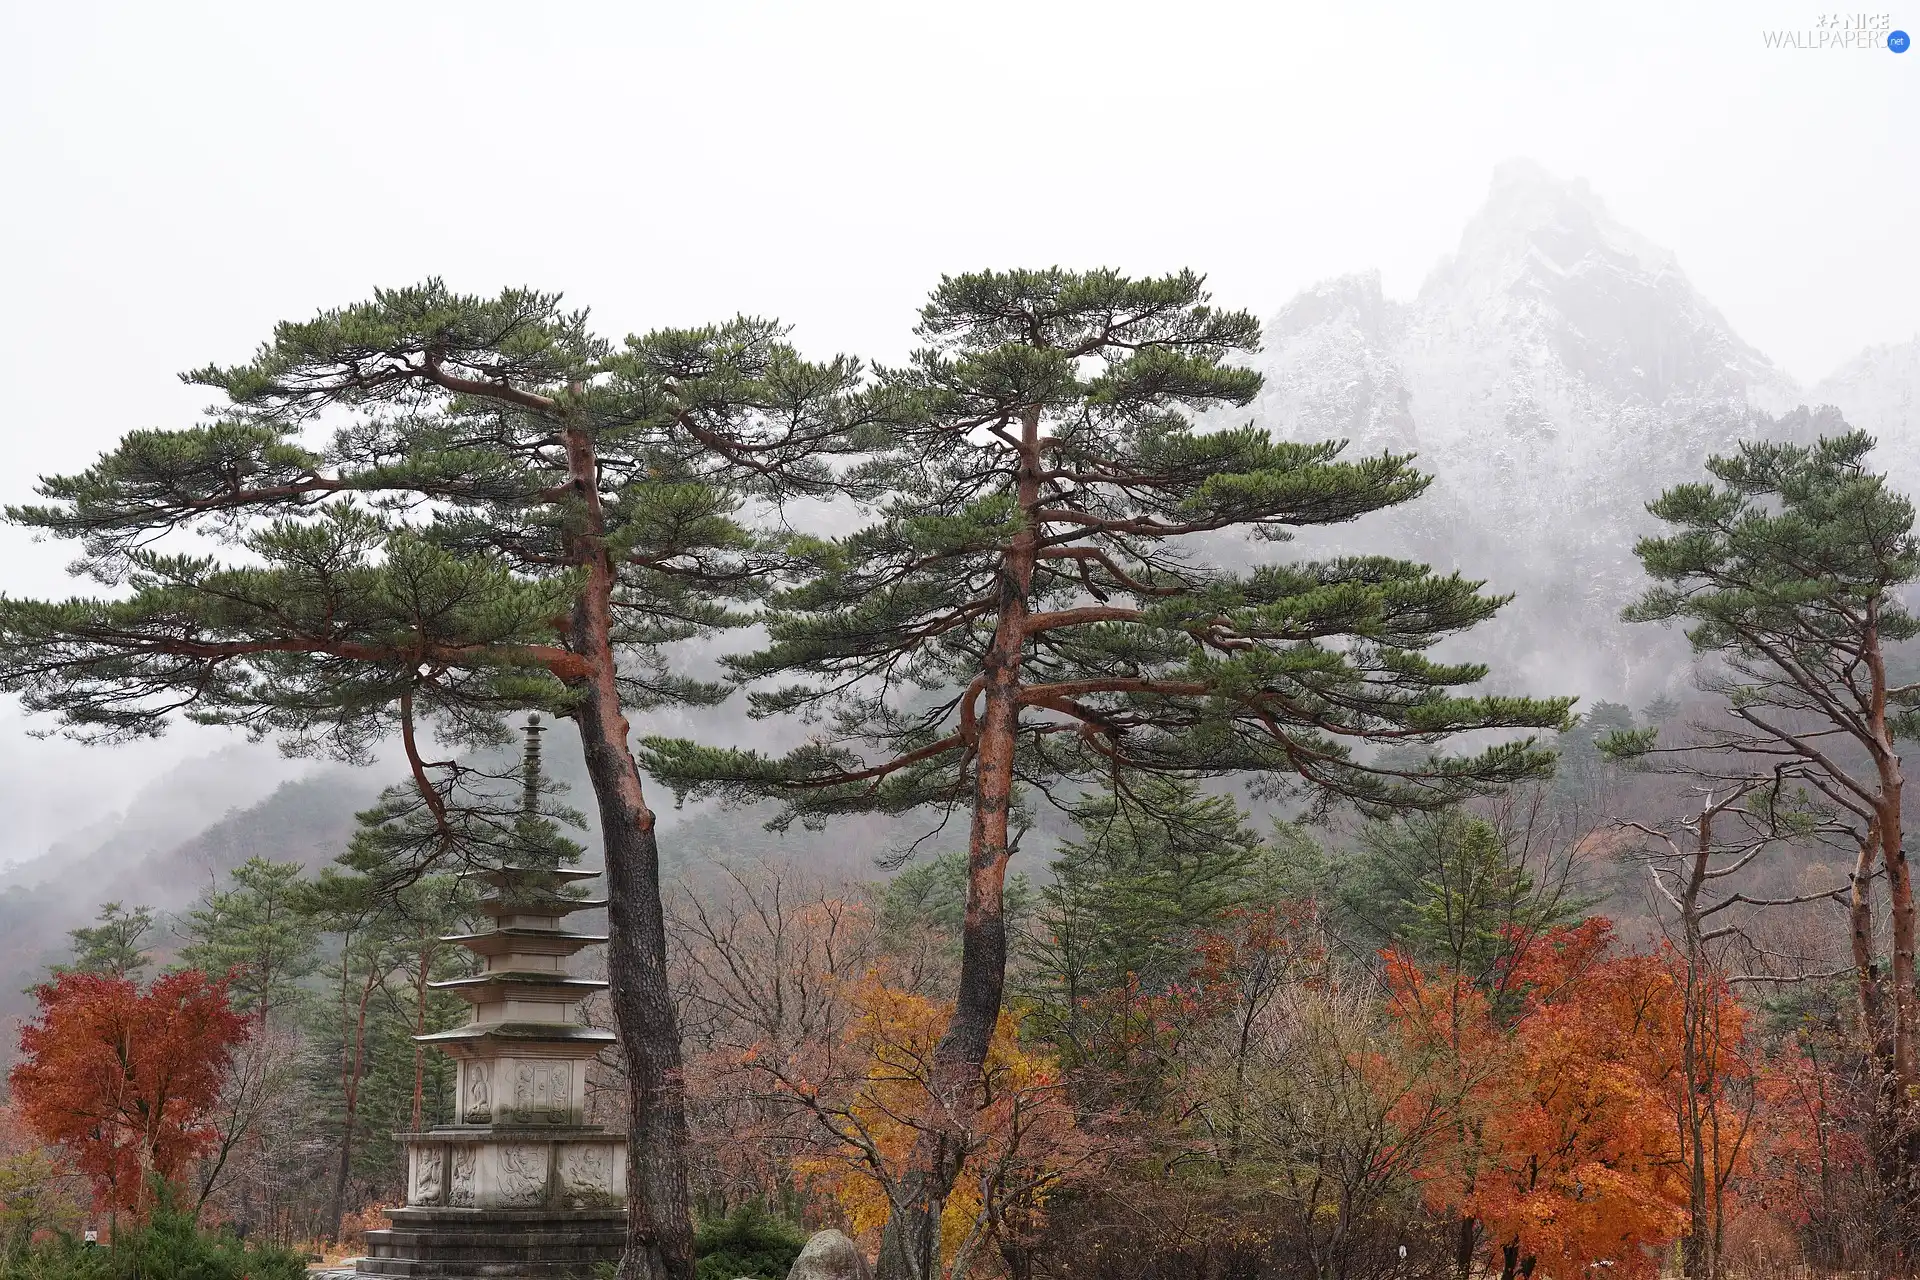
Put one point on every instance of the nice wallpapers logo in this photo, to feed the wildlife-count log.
(1843, 31)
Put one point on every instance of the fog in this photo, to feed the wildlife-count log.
(182, 176)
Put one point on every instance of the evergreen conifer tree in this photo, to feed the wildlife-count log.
(258, 932)
(441, 509)
(116, 944)
(1155, 864)
(1790, 570)
(1121, 929)
(1452, 890)
(1037, 602)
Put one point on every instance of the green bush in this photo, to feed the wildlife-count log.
(747, 1242)
(168, 1246)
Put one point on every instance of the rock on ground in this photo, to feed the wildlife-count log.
(829, 1255)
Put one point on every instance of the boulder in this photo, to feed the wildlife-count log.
(829, 1255)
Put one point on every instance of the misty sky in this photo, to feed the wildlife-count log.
(180, 176)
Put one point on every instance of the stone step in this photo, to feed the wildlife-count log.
(546, 1246)
(544, 1230)
(407, 1269)
(534, 1247)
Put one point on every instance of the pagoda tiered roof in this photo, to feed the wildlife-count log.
(529, 984)
(526, 940)
(517, 1183)
(475, 1033)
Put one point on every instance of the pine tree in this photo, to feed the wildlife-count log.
(347, 1023)
(1156, 863)
(257, 933)
(116, 945)
(1034, 604)
(443, 509)
(1789, 572)
(1451, 889)
(1118, 945)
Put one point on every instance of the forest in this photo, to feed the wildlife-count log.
(1226, 914)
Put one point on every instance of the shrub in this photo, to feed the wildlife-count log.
(747, 1242)
(169, 1246)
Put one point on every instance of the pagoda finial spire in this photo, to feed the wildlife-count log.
(530, 778)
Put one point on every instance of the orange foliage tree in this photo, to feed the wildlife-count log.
(1015, 1145)
(1564, 1153)
(123, 1080)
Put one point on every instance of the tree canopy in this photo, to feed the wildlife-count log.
(1788, 571)
(1037, 603)
(433, 509)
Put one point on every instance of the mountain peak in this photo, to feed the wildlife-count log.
(1547, 274)
(1535, 226)
(1522, 180)
(1554, 372)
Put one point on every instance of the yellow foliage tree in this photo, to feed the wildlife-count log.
(1011, 1149)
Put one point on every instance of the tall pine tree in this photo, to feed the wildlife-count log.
(1790, 570)
(258, 933)
(1037, 602)
(432, 509)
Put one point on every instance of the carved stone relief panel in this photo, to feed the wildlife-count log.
(477, 1105)
(543, 1092)
(523, 1174)
(587, 1170)
(426, 1185)
(461, 1194)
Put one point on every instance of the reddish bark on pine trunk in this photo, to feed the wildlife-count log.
(659, 1225)
(910, 1244)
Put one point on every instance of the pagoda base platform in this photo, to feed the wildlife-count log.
(551, 1167)
(440, 1243)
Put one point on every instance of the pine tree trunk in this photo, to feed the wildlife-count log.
(1900, 910)
(910, 1243)
(1873, 1011)
(337, 1203)
(659, 1223)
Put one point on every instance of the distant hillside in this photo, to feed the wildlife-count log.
(307, 820)
(142, 857)
(196, 788)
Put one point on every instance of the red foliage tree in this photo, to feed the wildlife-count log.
(1813, 1165)
(122, 1079)
(1565, 1149)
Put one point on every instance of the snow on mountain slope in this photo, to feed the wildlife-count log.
(1879, 392)
(1554, 373)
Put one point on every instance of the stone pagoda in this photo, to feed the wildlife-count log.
(519, 1185)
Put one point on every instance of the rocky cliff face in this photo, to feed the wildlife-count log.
(1879, 391)
(1554, 374)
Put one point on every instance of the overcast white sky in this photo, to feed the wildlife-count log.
(179, 176)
